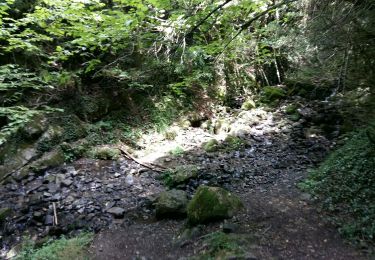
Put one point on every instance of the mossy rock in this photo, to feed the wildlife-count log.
(4, 213)
(48, 160)
(248, 104)
(171, 204)
(50, 138)
(35, 127)
(271, 94)
(295, 117)
(211, 146)
(212, 203)
(106, 153)
(73, 151)
(233, 143)
(180, 175)
(291, 109)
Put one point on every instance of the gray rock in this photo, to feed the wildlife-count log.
(117, 212)
(49, 220)
(66, 182)
(171, 204)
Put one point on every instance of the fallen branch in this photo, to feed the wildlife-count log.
(150, 166)
(55, 221)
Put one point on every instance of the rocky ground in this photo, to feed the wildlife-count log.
(270, 154)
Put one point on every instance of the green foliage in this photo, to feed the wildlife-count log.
(179, 175)
(233, 143)
(221, 246)
(177, 151)
(211, 145)
(105, 153)
(272, 94)
(61, 249)
(345, 185)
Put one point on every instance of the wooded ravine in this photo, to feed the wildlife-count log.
(187, 129)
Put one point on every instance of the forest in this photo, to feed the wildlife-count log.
(187, 129)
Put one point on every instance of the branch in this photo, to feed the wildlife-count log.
(190, 33)
(248, 23)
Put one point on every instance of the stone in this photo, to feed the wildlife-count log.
(4, 213)
(37, 215)
(117, 212)
(50, 159)
(171, 204)
(48, 220)
(35, 127)
(66, 182)
(180, 175)
(129, 179)
(212, 203)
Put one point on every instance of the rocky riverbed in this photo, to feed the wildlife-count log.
(271, 153)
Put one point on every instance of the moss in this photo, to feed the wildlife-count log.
(248, 104)
(51, 159)
(233, 143)
(177, 151)
(74, 151)
(225, 246)
(171, 204)
(211, 146)
(212, 203)
(271, 94)
(291, 109)
(170, 135)
(180, 175)
(106, 153)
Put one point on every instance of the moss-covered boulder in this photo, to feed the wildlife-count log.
(211, 145)
(34, 128)
(180, 175)
(212, 203)
(48, 160)
(271, 94)
(171, 204)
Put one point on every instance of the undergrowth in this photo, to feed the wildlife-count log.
(61, 249)
(345, 186)
(219, 245)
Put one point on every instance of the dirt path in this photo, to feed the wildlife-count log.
(283, 223)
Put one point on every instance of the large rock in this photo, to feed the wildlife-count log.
(180, 175)
(48, 160)
(35, 127)
(171, 204)
(212, 203)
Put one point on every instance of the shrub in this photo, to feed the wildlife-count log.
(345, 186)
(61, 249)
